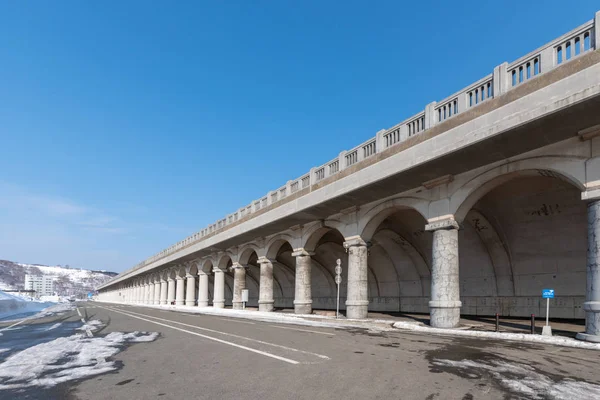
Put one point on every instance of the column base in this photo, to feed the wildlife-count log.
(203, 303)
(357, 309)
(588, 338)
(592, 322)
(190, 303)
(237, 305)
(302, 307)
(444, 314)
(266, 305)
(179, 303)
(219, 304)
(156, 303)
(163, 302)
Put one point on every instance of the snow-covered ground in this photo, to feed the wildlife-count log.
(46, 354)
(67, 281)
(519, 337)
(526, 381)
(66, 358)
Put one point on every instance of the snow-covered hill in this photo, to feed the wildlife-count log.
(68, 281)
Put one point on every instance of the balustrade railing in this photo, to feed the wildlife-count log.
(505, 77)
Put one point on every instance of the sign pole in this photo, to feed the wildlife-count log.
(338, 280)
(337, 311)
(547, 294)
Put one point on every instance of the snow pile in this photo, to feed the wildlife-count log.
(13, 305)
(55, 310)
(525, 380)
(519, 337)
(66, 358)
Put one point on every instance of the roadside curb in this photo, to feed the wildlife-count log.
(515, 337)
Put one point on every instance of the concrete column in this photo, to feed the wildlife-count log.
(170, 290)
(219, 290)
(265, 295)
(357, 299)
(144, 294)
(180, 291)
(190, 293)
(239, 284)
(444, 307)
(202, 289)
(303, 289)
(592, 303)
(163, 291)
(156, 299)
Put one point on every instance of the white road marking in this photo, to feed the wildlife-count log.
(234, 335)
(239, 322)
(79, 312)
(264, 353)
(15, 324)
(302, 330)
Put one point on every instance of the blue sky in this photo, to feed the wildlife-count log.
(126, 126)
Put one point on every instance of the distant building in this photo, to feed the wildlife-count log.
(42, 284)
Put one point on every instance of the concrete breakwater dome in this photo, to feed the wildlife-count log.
(472, 207)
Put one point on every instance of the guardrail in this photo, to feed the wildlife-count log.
(504, 77)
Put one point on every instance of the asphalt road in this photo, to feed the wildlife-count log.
(210, 357)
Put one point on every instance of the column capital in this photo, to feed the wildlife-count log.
(354, 241)
(217, 269)
(444, 222)
(300, 252)
(237, 265)
(591, 194)
(188, 276)
(179, 278)
(265, 260)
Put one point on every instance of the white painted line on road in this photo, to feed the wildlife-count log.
(15, 324)
(79, 312)
(236, 336)
(239, 322)
(302, 330)
(264, 353)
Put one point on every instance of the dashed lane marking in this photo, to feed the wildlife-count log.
(264, 353)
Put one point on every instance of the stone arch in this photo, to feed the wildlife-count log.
(274, 244)
(398, 248)
(497, 250)
(569, 169)
(523, 227)
(224, 260)
(245, 252)
(207, 265)
(370, 221)
(191, 268)
(179, 270)
(314, 234)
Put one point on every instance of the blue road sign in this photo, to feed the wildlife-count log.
(548, 293)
